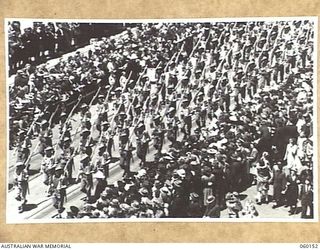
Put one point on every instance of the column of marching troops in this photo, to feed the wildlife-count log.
(198, 75)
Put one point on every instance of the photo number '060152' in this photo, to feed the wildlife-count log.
(310, 245)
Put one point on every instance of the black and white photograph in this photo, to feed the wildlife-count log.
(203, 120)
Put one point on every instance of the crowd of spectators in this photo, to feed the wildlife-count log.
(46, 40)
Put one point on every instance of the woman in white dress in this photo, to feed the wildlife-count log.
(291, 154)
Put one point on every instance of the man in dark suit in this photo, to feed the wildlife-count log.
(213, 209)
(125, 159)
(279, 185)
(306, 196)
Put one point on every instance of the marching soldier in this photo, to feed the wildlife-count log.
(67, 153)
(103, 160)
(146, 88)
(153, 103)
(64, 126)
(139, 129)
(21, 137)
(105, 163)
(100, 104)
(58, 188)
(85, 176)
(107, 138)
(85, 112)
(24, 150)
(85, 123)
(124, 136)
(99, 157)
(121, 119)
(137, 110)
(85, 142)
(47, 164)
(45, 137)
(184, 82)
(62, 121)
(102, 120)
(21, 178)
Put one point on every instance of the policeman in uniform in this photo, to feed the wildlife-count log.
(125, 159)
(200, 112)
(142, 147)
(186, 116)
(21, 178)
(172, 126)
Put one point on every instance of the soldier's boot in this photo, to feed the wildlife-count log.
(18, 197)
(21, 208)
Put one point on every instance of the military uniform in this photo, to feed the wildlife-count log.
(45, 138)
(85, 142)
(123, 137)
(172, 129)
(58, 188)
(107, 139)
(21, 178)
(85, 112)
(24, 150)
(67, 155)
(65, 128)
(85, 174)
(102, 121)
(47, 164)
(102, 163)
